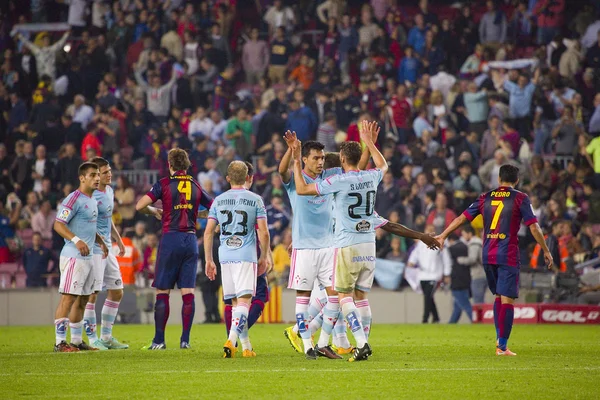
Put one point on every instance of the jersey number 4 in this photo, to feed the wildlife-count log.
(185, 188)
(499, 207)
(370, 207)
(243, 223)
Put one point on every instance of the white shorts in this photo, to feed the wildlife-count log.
(354, 268)
(107, 274)
(310, 266)
(76, 276)
(238, 279)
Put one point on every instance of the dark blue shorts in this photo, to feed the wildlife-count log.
(262, 290)
(503, 280)
(176, 261)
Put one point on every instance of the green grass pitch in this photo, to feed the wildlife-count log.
(409, 361)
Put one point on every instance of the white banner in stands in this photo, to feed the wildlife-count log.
(48, 27)
(514, 64)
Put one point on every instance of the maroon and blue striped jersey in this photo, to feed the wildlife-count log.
(502, 210)
(181, 197)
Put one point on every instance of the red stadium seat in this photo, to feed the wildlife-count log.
(20, 280)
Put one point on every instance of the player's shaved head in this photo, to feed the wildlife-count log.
(351, 152)
(237, 173)
(509, 174)
(179, 160)
(332, 160)
(86, 167)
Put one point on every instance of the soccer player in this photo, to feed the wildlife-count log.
(106, 270)
(502, 209)
(354, 196)
(236, 212)
(76, 223)
(312, 239)
(177, 258)
(262, 283)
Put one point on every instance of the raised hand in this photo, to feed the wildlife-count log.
(297, 149)
(290, 138)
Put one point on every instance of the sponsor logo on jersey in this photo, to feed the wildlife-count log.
(234, 242)
(496, 236)
(363, 226)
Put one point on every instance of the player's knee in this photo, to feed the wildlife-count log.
(83, 300)
(302, 293)
(113, 295)
(93, 297)
(359, 295)
(187, 291)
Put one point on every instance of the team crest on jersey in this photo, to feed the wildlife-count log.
(64, 215)
(363, 226)
(234, 242)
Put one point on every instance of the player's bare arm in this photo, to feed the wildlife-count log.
(286, 160)
(302, 188)
(454, 225)
(118, 239)
(210, 268)
(369, 129)
(401, 230)
(265, 262)
(366, 154)
(203, 214)
(538, 235)
(103, 245)
(66, 233)
(144, 207)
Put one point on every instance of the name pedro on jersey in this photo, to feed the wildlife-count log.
(362, 185)
(233, 202)
(500, 194)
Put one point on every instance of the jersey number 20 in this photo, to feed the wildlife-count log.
(359, 200)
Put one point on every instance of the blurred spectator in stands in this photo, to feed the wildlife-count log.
(43, 220)
(72, 132)
(255, 58)
(281, 258)
(510, 140)
(48, 193)
(549, 16)
(18, 111)
(491, 138)
(20, 171)
(40, 167)
(149, 257)
(466, 185)
(279, 16)
(473, 261)
(45, 54)
(278, 218)
(281, 50)
(91, 142)
(131, 262)
(125, 196)
(327, 131)
(416, 35)
(80, 112)
(275, 189)
(67, 170)
(409, 66)
(441, 216)
(493, 26)
(460, 279)
(5, 168)
(566, 132)
(32, 206)
(9, 217)
(36, 262)
(433, 266)
(210, 288)
(477, 108)
(388, 195)
(395, 252)
(158, 96)
(239, 133)
(301, 120)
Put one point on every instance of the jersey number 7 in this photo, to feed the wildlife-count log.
(499, 207)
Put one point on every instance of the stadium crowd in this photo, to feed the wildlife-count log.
(458, 91)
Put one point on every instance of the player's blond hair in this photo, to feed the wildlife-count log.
(179, 160)
(237, 172)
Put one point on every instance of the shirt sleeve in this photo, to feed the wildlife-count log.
(289, 186)
(526, 209)
(205, 199)
(155, 192)
(379, 221)
(328, 186)
(474, 209)
(261, 212)
(212, 212)
(378, 175)
(67, 210)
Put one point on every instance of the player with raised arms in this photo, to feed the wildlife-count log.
(177, 258)
(237, 211)
(107, 273)
(76, 223)
(502, 209)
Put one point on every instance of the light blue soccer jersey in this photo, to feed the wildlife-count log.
(106, 201)
(354, 197)
(312, 220)
(379, 220)
(236, 211)
(80, 213)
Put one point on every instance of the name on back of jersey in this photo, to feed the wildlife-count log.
(362, 185)
(500, 194)
(233, 202)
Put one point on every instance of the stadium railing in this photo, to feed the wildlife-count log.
(562, 161)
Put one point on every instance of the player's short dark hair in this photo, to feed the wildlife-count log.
(509, 173)
(352, 151)
(99, 161)
(85, 167)
(311, 145)
(468, 229)
(332, 160)
(250, 168)
(237, 172)
(179, 160)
